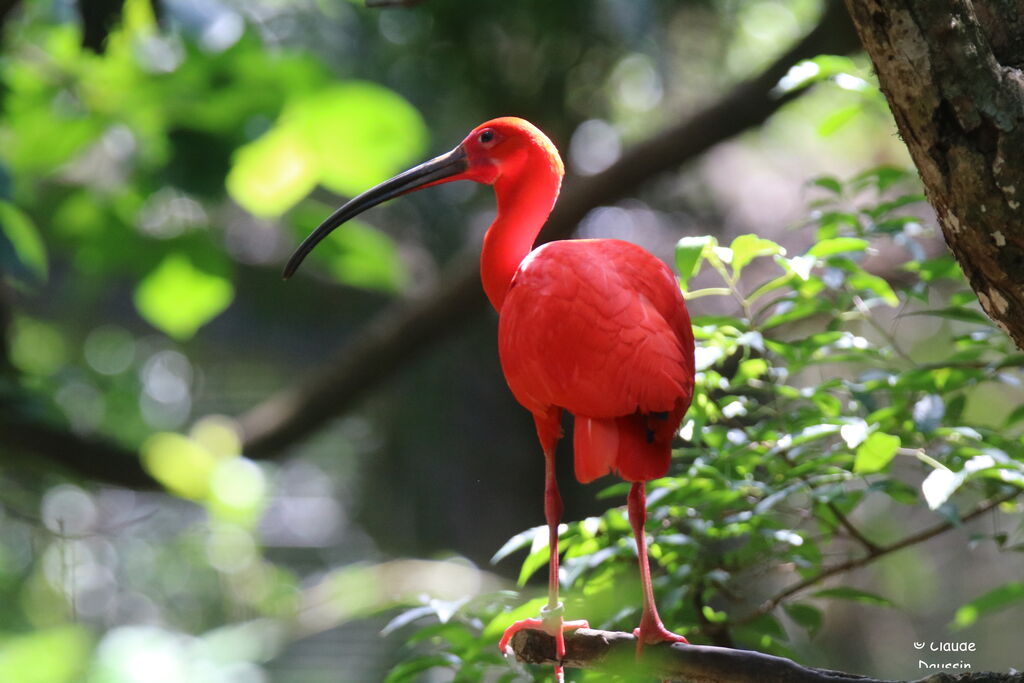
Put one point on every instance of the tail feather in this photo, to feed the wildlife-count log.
(595, 446)
(637, 447)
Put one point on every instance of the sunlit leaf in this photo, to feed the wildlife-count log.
(746, 248)
(837, 245)
(1000, 598)
(37, 347)
(178, 298)
(863, 280)
(828, 183)
(360, 132)
(21, 248)
(179, 463)
(503, 620)
(362, 256)
(881, 177)
(810, 71)
(55, 655)
(875, 453)
(690, 253)
(520, 540)
(272, 173)
(838, 118)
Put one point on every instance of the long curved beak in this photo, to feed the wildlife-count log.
(430, 172)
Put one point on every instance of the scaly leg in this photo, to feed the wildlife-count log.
(651, 630)
(551, 615)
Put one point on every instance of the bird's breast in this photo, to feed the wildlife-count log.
(597, 327)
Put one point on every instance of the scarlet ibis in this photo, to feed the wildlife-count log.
(597, 327)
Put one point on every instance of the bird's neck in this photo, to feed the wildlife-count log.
(524, 202)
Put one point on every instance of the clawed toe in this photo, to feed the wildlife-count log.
(551, 623)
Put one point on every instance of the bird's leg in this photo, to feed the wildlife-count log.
(551, 614)
(651, 630)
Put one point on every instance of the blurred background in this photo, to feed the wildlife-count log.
(164, 513)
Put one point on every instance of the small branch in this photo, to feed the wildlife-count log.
(845, 522)
(93, 457)
(871, 556)
(407, 329)
(615, 652)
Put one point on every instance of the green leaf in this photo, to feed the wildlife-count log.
(690, 254)
(838, 118)
(361, 133)
(810, 71)
(21, 248)
(362, 256)
(746, 248)
(503, 620)
(55, 655)
(864, 280)
(875, 453)
(828, 183)
(993, 601)
(855, 594)
(898, 490)
(272, 173)
(881, 177)
(535, 560)
(409, 670)
(837, 245)
(348, 138)
(967, 315)
(178, 298)
(520, 540)
(807, 616)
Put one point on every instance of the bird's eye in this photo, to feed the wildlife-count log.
(487, 136)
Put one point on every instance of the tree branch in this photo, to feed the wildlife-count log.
(407, 329)
(93, 457)
(615, 652)
(871, 556)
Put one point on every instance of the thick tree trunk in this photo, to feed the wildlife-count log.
(951, 70)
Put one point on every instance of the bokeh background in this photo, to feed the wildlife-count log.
(158, 163)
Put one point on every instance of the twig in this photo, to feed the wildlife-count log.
(615, 652)
(869, 557)
(845, 522)
(408, 328)
(47, 444)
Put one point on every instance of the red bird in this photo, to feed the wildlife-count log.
(595, 327)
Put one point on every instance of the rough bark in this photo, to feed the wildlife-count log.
(951, 71)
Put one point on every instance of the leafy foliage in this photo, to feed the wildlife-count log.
(150, 192)
(808, 414)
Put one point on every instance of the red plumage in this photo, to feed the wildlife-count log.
(599, 328)
(595, 327)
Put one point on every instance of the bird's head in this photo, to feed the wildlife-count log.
(498, 149)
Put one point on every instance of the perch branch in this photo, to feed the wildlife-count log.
(615, 652)
(398, 334)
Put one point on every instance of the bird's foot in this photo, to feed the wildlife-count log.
(653, 632)
(550, 622)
